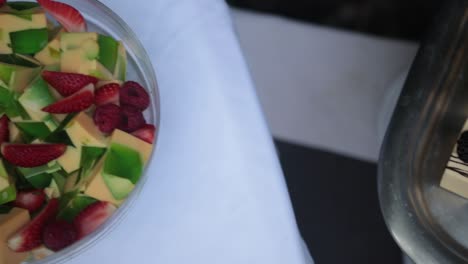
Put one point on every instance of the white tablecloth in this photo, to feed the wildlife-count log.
(216, 192)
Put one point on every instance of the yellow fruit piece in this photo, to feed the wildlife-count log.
(83, 132)
(98, 189)
(11, 23)
(70, 160)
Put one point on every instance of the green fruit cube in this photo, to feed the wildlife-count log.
(33, 129)
(112, 56)
(35, 97)
(74, 206)
(8, 194)
(41, 176)
(79, 52)
(20, 17)
(7, 189)
(29, 41)
(16, 72)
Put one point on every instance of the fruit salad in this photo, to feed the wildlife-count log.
(73, 135)
(454, 178)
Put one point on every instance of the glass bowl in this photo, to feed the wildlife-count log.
(429, 223)
(103, 20)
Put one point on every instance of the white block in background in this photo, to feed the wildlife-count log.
(319, 86)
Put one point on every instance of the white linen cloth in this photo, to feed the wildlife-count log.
(216, 192)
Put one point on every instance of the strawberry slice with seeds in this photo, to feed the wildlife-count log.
(70, 18)
(29, 237)
(67, 83)
(106, 94)
(77, 102)
(4, 130)
(92, 217)
(58, 235)
(31, 155)
(30, 200)
(145, 133)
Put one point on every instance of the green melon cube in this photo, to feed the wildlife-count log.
(7, 189)
(79, 52)
(16, 17)
(29, 41)
(16, 72)
(10, 106)
(37, 96)
(112, 56)
(121, 177)
(73, 207)
(41, 176)
(33, 129)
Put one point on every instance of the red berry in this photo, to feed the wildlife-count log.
(29, 237)
(30, 200)
(4, 129)
(131, 119)
(66, 15)
(32, 155)
(58, 235)
(107, 117)
(133, 94)
(92, 217)
(145, 133)
(108, 93)
(74, 103)
(67, 83)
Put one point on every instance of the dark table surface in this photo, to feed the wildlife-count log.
(403, 19)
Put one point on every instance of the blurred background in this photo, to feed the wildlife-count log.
(328, 74)
(389, 18)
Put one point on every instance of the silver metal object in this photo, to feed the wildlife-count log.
(429, 223)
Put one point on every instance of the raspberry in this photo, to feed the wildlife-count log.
(131, 119)
(58, 235)
(133, 94)
(107, 117)
(462, 147)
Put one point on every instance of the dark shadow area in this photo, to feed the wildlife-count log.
(336, 205)
(389, 18)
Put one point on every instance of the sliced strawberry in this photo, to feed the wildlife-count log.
(32, 155)
(70, 18)
(67, 83)
(133, 94)
(58, 235)
(108, 93)
(77, 102)
(29, 237)
(145, 133)
(4, 130)
(93, 217)
(30, 200)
